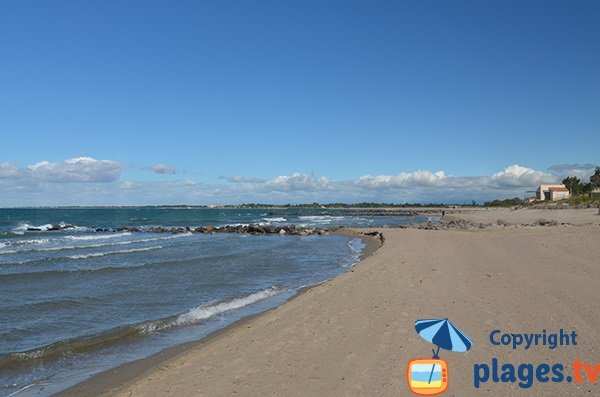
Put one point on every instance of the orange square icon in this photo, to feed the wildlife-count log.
(427, 376)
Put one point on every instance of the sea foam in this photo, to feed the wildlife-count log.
(203, 312)
(98, 237)
(98, 254)
(276, 219)
(100, 245)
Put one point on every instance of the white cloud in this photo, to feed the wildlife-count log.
(514, 176)
(241, 179)
(518, 176)
(22, 186)
(8, 170)
(297, 181)
(420, 185)
(404, 179)
(161, 168)
(130, 185)
(582, 171)
(79, 169)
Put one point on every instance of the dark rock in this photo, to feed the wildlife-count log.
(269, 229)
(254, 228)
(260, 229)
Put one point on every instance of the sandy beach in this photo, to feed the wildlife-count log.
(354, 335)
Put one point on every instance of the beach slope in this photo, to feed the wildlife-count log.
(354, 335)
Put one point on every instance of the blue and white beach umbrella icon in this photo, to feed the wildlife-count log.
(442, 333)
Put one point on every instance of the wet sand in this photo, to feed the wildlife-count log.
(354, 335)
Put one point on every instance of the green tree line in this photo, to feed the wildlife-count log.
(577, 187)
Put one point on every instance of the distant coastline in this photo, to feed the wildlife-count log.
(316, 206)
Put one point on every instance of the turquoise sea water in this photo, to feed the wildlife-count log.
(78, 301)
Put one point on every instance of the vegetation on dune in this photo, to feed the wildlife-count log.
(504, 203)
(576, 187)
(580, 192)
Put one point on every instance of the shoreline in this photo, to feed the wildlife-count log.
(120, 375)
(353, 335)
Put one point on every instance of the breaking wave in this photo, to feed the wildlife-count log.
(24, 227)
(124, 333)
(87, 246)
(98, 237)
(98, 254)
(276, 219)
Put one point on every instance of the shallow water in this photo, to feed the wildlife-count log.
(77, 301)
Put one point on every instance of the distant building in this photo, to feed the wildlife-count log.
(595, 193)
(552, 192)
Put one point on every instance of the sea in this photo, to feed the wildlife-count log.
(94, 295)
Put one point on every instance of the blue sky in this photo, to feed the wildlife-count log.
(157, 102)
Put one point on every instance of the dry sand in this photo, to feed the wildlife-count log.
(527, 216)
(354, 335)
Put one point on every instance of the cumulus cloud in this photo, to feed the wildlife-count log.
(514, 176)
(404, 179)
(518, 176)
(298, 181)
(79, 169)
(130, 185)
(161, 168)
(567, 167)
(420, 185)
(22, 186)
(8, 170)
(241, 179)
(582, 171)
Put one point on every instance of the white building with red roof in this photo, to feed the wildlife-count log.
(552, 192)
